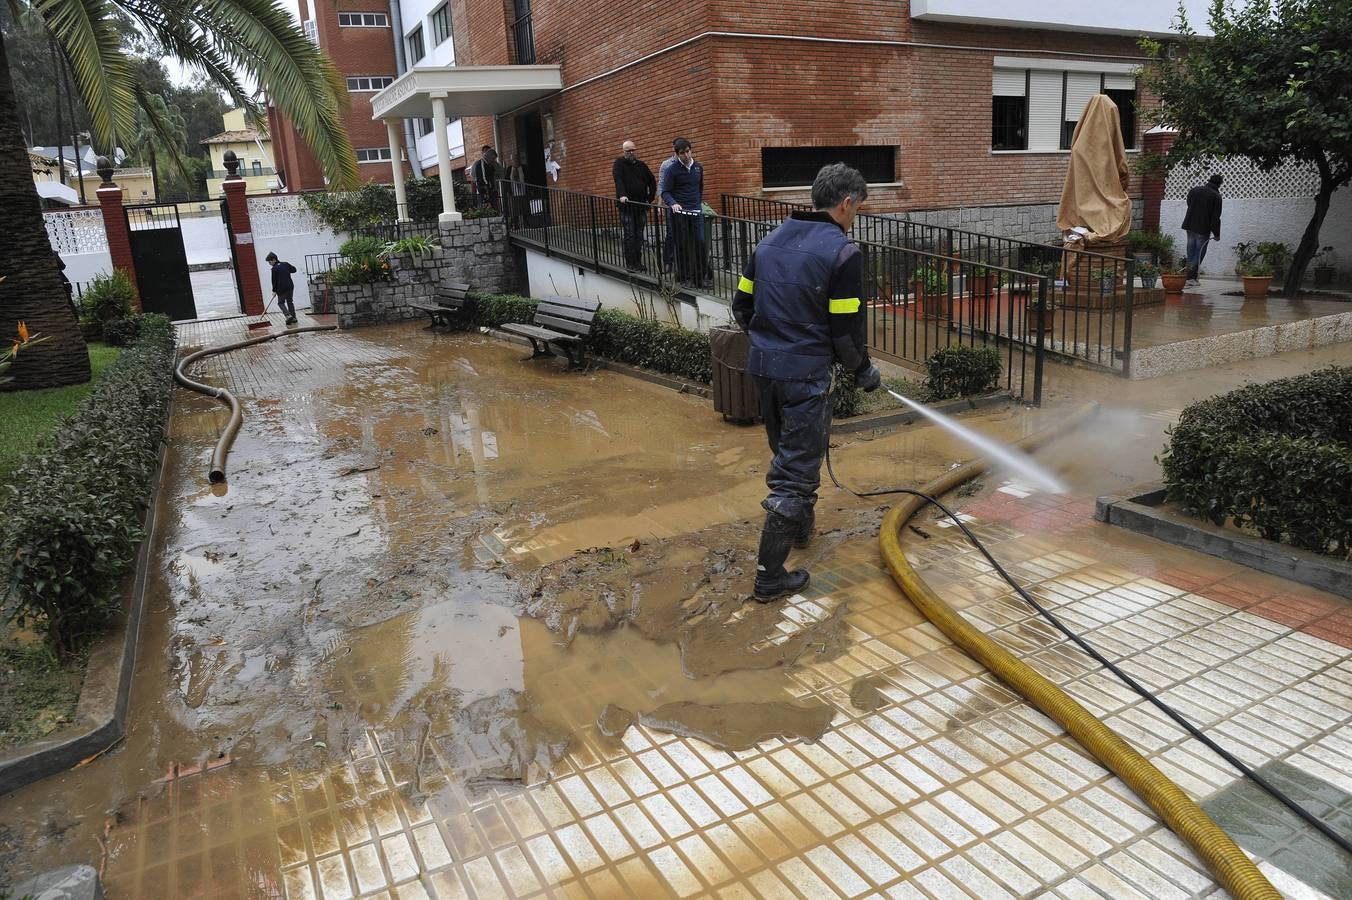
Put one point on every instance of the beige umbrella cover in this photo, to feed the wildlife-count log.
(1095, 195)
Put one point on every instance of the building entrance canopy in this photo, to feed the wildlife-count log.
(460, 91)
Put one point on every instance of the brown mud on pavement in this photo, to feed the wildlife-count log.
(741, 726)
(403, 599)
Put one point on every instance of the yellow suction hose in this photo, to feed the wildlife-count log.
(1231, 867)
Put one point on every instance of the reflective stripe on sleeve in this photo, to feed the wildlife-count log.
(746, 285)
(843, 305)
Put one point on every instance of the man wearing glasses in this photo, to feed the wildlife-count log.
(681, 186)
(635, 187)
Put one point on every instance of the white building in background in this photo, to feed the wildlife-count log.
(427, 42)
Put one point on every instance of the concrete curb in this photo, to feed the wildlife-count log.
(1141, 510)
(105, 695)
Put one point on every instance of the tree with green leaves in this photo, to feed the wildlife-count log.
(1272, 86)
(151, 143)
(230, 42)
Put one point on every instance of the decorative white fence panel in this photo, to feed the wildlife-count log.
(76, 231)
(1258, 206)
(284, 225)
(78, 237)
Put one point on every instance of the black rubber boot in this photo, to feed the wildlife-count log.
(803, 536)
(772, 580)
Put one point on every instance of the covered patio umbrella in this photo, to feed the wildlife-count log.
(1095, 195)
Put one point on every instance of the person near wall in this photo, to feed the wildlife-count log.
(635, 188)
(799, 303)
(681, 186)
(485, 174)
(518, 203)
(283, 286)
(1202, 222)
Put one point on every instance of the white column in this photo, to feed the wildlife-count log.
(439, 122)
(392, 130)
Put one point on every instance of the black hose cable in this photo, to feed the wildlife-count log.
(1098, 657)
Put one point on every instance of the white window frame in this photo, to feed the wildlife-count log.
(437, 39)
(354, 83)
(1042, 74)
(408, 45)
(373, 155)
(380, 20)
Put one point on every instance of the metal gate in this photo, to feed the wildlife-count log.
(162, 277)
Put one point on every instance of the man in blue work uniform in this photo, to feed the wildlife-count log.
(798, 301)
(680, 184)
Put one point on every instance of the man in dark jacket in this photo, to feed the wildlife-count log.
(485, 174)
(681, 186)
(1202, 221)
(635, 187)
(283, 286)
(799, 302)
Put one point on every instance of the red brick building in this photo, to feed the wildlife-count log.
(938, 113)
(358, 36)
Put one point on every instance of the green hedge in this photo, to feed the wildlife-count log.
(641, 342)
(962, 372)
(1274, 457)
(74, 509)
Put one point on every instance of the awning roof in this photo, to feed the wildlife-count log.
(469, 90)
(55, 190)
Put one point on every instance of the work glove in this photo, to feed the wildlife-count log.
(869, 379)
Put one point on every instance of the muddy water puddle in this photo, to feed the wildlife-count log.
(434, 569)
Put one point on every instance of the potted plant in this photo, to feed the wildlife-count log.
(929, 287)
(1257, 276)
(1323, 267)
(1148, 273)
(1107, 280)
(984, 282)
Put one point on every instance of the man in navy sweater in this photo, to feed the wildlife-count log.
(681, 187)
(799, 303)
(283, 286)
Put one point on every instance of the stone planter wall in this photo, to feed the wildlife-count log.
(474, 251)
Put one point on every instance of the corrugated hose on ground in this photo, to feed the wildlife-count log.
(1228, 863)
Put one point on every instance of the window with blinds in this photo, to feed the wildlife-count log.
(1038, 108)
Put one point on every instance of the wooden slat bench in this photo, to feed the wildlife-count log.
(565, 322)
(452, 304)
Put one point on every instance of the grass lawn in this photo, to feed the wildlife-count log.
(28, 417)
(37, 694)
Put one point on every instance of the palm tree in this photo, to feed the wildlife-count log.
(150, 139)
(230, 41)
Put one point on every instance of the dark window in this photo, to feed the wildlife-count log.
(1126, 112)
(424, 127)
(363, 20)
(1009, 123)
(416, 51)
(798, 166)
(441, 24)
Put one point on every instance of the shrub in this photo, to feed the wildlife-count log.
(846, 399)
(1274, 457)
(416, 246)
(362, 248)
(652, 345)
(962, 372)
(108, 297)
(74, 509)
(122, 332)
(496, 310)
(374, 204)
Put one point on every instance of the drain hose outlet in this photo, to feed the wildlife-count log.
(1228, 863)
(216, 474)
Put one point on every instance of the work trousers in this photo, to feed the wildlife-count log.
(797, 418)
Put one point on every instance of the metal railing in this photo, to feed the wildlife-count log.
(393, 231)
(1091, 296)
(244, 172)
(523, 36)
(917, 300)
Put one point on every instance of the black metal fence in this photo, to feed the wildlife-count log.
(393, 231)
(917, 300)
(1091, 298)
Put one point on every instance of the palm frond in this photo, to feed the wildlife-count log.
(259, 38)
(92, 46)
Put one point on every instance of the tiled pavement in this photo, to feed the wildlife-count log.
(955, 788)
